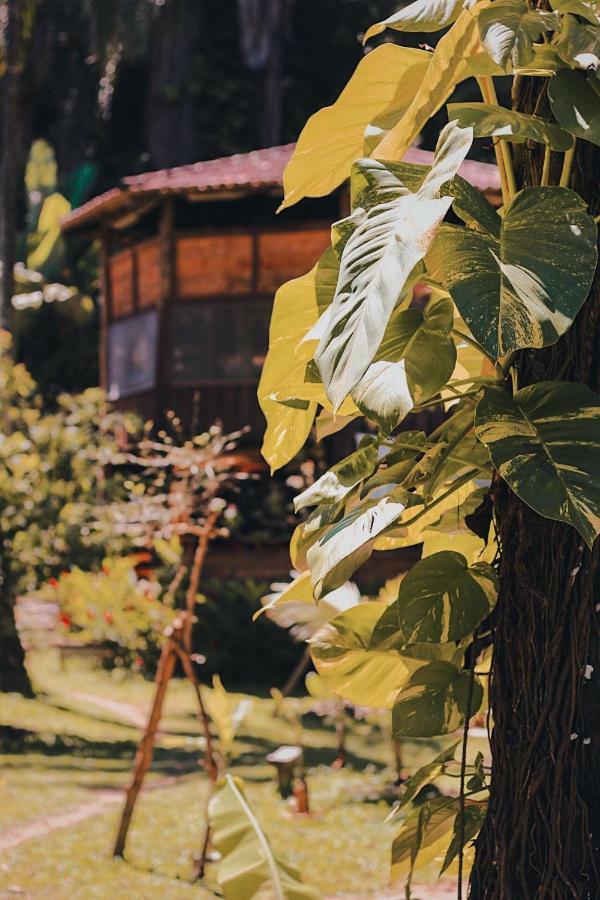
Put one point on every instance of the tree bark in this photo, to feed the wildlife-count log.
(13, 674)
(541, 836)
(170, 100)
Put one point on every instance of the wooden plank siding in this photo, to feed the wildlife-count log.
(232, 266)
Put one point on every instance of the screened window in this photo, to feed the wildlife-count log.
(221, 341)
(132, 355)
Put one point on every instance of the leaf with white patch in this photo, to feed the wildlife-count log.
(435, 701)
(440, 599)
(509, 28)
(420, 16)
(575, 101)
(545, 443)
(579, 45)
(339, 480)
(524, 288)
(346, 546)
(390, 238)
(448, 66)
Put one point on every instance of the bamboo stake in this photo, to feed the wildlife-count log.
(145, 750)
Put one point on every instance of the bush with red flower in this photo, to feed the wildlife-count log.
(115, 607)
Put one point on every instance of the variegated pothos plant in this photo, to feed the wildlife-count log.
(346, 342)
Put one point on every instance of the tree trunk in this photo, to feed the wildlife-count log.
(9, 156)
(541, 836)
(13, 674)
(170, 100)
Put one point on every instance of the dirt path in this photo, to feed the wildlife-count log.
(126, 712)
(40, 827)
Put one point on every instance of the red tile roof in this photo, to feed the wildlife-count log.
(242, 173)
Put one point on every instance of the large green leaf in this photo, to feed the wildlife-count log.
(575, 101)
(386, 242)
(545, 442)
(488, 120)
(344, 659)
(441, 599)
(579, 44)
(346, 546)
(434, 701)
(421, 16)
(383, 84)
(508, 29)
(587, 9)
(248, 867)
(524, 288)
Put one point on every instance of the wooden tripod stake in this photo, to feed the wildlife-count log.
(178, 645)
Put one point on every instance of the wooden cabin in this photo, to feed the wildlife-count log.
(191, 260)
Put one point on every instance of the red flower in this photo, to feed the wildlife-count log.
(108, 617)
(139, 661)
(65, 619)
(53, 582)
(90, 614)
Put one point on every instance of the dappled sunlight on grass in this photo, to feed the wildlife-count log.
(62, 751)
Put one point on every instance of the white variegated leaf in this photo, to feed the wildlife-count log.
(346, 546)
(387, 241)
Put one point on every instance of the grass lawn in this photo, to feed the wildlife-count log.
(63, 750)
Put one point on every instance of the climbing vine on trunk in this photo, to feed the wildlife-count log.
(504, 495)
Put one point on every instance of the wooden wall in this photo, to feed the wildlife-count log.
(232, 264)
(229, 267)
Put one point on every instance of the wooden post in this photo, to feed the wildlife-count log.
(145, 750)
(105, 308)
(165, 307)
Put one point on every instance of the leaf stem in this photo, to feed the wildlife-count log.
(451, 490)
(501, 149)
(267, 853)
(565, 175)
(463, 770)
(546, 167)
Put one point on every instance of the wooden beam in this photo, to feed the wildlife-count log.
(165, 305)
(105, 307)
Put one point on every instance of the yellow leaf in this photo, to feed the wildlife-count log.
(384, 83)
(409, 535)
(295, 311)
(447, 67)
(54, 208)
(349, 667)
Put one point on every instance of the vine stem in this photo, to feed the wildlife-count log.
(501, 149)
(546, 167)
(463, 767)
(565, 175)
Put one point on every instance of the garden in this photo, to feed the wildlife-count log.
(300, 449)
